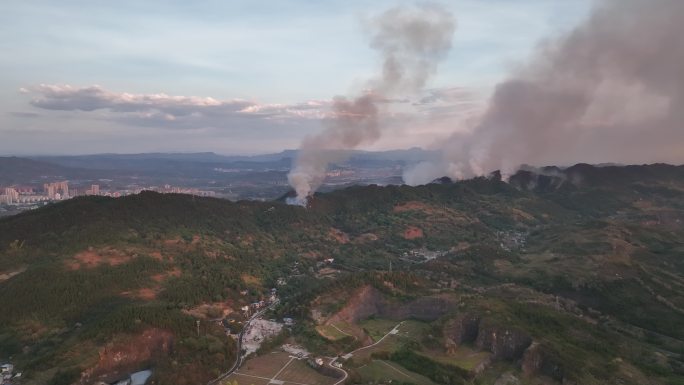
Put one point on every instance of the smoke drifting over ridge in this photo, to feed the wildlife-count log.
(411, 41)
(612, 90)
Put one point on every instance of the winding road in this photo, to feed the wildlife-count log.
(394, 330)
(239, 357)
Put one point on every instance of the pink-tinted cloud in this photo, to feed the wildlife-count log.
(166, 110)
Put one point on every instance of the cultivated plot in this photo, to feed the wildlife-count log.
(380, 370)
(278, 368)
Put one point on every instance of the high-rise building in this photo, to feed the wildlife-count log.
(57, 188)
(49, 190)
(65, 190)
(11, 195)
(94, 190)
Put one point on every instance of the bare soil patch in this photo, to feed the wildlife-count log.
(10, 274)
(161, 277)
(413, 232)
(250, 279)
(365, 238)
(210, 310)
(338, 235)
(414, 206)
(128, 353)
(157, 255)
(90, 258)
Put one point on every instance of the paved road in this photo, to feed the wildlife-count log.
(344, 372)
(238, 360)
(380, 340)
(239, 357)
(346, 375)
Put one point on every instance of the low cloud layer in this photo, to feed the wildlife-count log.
(164, 110)
(190, 123)
(611, 90)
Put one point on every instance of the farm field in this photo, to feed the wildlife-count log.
(380, 370)
(278, 368)
(407, 331)
(462, 357)
(300, 372)
(376, 328)
(331, 333)
(338, 330)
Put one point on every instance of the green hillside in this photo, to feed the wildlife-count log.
(586, 262)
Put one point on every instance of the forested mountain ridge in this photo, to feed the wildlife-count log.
(608, 241)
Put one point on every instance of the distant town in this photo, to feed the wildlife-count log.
(17, 198)
(28, 183)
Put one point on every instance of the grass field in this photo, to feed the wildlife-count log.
(380, 370)
(389, 344)
(463, 357)
(300, 372)
(339, 330)
(278, 367)
(414, 330)
(408, 331)
(266, 365)
(346, 327)
(376, 328)
(330, 333)
(245, 380)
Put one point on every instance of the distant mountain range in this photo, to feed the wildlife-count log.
(146, 160)
(199, 168)
(266, 175)
(14, 170)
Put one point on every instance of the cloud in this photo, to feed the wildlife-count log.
(420, 120)
(167, 110)
(194, 112)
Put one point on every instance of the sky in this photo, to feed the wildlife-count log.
(236, 77)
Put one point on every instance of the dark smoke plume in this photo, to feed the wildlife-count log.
(412, 42)
(612, 90)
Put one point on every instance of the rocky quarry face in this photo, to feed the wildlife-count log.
(367, 301)
(504, 342)
(538, 360)
(460, 330)
(131, 353)
(423, 309)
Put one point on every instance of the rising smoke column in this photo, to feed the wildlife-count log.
(611, 90)
(411, 41)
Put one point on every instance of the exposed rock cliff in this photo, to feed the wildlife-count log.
(539, 360)
(130, 353)
(424, 309)
(367, 301)
(504, 342)
(462, 329)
